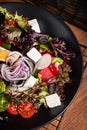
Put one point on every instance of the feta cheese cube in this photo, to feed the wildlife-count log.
(53, 100)
(34, 54)
(30, 82)
(35, 25)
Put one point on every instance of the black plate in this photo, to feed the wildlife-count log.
(54, 26)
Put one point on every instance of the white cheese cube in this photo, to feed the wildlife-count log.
(53, 100)
(35, 25)
(30, 82)
(34, 54)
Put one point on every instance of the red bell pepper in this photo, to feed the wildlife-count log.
(46, 74)
(54, 69)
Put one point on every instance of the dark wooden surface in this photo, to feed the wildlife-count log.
(75, 117)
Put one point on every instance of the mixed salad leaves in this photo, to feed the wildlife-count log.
(33, 66)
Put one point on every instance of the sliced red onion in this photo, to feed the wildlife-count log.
(18, 85)
(14, 52)
(12, 58)
(19, 71)
(28, 62)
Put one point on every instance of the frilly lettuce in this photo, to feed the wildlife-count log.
(21, 21)
(2, 87)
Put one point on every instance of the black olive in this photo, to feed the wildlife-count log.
(43, 39)
(51, 88)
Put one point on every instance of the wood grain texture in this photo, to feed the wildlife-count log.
(75, 117)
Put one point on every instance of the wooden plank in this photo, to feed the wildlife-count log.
(75, 117)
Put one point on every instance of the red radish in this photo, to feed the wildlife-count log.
(46, 52)
(57, 65)
(44, 61)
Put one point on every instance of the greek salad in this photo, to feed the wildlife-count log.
(34, 67)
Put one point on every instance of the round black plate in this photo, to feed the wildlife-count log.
(54, 26)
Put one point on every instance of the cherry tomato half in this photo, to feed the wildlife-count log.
(11, 22)
(26, 109)
(12, 109)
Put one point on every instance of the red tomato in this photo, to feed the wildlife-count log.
(11, 22)
(46, 74)
(26, 109)
(54, 69)
(12, 109)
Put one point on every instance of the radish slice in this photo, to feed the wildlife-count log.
(44, 61)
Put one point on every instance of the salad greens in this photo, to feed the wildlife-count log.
(57, 59)
(25, 83)
(2, 86)
(21, 21)
(6, 45)
(4, 103)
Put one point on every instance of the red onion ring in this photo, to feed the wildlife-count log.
(18, 71)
